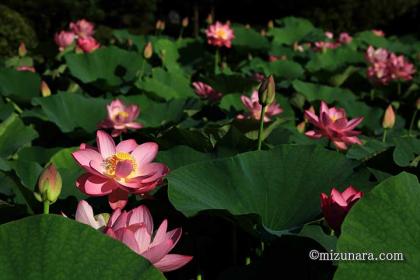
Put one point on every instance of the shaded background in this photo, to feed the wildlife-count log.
(37, 21)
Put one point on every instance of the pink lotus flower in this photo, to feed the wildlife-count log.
(82, 28)
(205, 91)
(323, 46)
(336, 207)
(63, 39)
(400, 68)
(118, 170)
(333, 124)
(26, 69)
(272, 58)
(345, 38)
(329, 34)
(254, 108)
(84, 215)
(87, 44)
(121, 117)
(135, 229)
(378, 32)
(220, 35)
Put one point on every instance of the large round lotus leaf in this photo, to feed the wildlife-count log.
(281, 185)
(54, 247)
(386, 220)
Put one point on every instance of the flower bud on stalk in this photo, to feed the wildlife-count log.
(270, 24)
(22, 49)
(45, 90)
(267, 91)
(389, 118)
(148, 50)
(185, 22)
(49, 187)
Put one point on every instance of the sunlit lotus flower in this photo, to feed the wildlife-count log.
(87, 44)
(205, 91)
(82, 28)
(389, 118)
(344, 38)
(329, 34)
(333, 124)
(121, 117)
(63, 39)
(337, 205)
(220, 35)
(135, 229)
(254, 108)
(378, 32)
(117, 170)
(84, 214)
(26, 69)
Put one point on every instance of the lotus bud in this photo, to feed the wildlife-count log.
(185, 22)
(247, 26)
(267, 91)
(389, 118)
(301, 127)
(22, 51)
(49, 185)
(129, 42)
(148, 50)
(270, 24)
(263, 32)
(45, 90)
(209, 19)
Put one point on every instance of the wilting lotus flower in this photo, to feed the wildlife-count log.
(26, 69)
(87, 44)
(121, 117)
(135, 229)
(118, 170)
(82, 28)
(63, 39)
(254, 108)
(84, 215)
(336, 207)
(220, 35)
(344, 38)
(333, 124)
(205, 91)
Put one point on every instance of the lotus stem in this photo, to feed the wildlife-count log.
(248, 261)
(181, 32)
(46, 207)
(413, 118)
(260, 131)
(372, 94)
(384, 135)
(216, 60)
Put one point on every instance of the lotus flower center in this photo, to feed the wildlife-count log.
(121, 165)
(221, 33)
(120, 116)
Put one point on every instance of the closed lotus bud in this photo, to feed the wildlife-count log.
(22, 49)
(270, 24)
(389, 118)
(267, 91)
(185, 22)
(45, 90)
(301, 127)
(49, 185)
(209, 19)
(162, 25)
(263, 32)
(148, 50)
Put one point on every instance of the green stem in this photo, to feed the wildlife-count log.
(413, 118)
(141, 73)
(199, 277)
(399, 88)
(15, 106)
(181, 32)
(384, 136)
(216, 60)
(372, 94)
(260, 131)
(248, 261)
(46, 207)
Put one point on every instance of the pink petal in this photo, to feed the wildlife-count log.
(97, 168)
(350, 191)
(157, 252)
(84, 214)
(160, 235)
(313, 134)
(123, 168)
(141, 215)
(128, 238)
(353, 123)
(114, 217)
(84, 157)
(172, 262)
(95, 185)
(340, 145)
(133, 125)
(145, 153)
(312, 118)
(153, 171)
(105, 143)
(126, 146)
(143, 239)
(337, 197)
(118, 198)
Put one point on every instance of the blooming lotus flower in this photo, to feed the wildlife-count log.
(26, 69)
(135, 229)
(322, 46)
(336, 207)
(205, 91)
(63, 39)
(344, 38)
(121, 117)
(400, 68)
(378, 32)
(117, 170)
(82, 28)
(254, 108)
(220, 35)
(84, 215)
(87, 44)
(333, 124)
